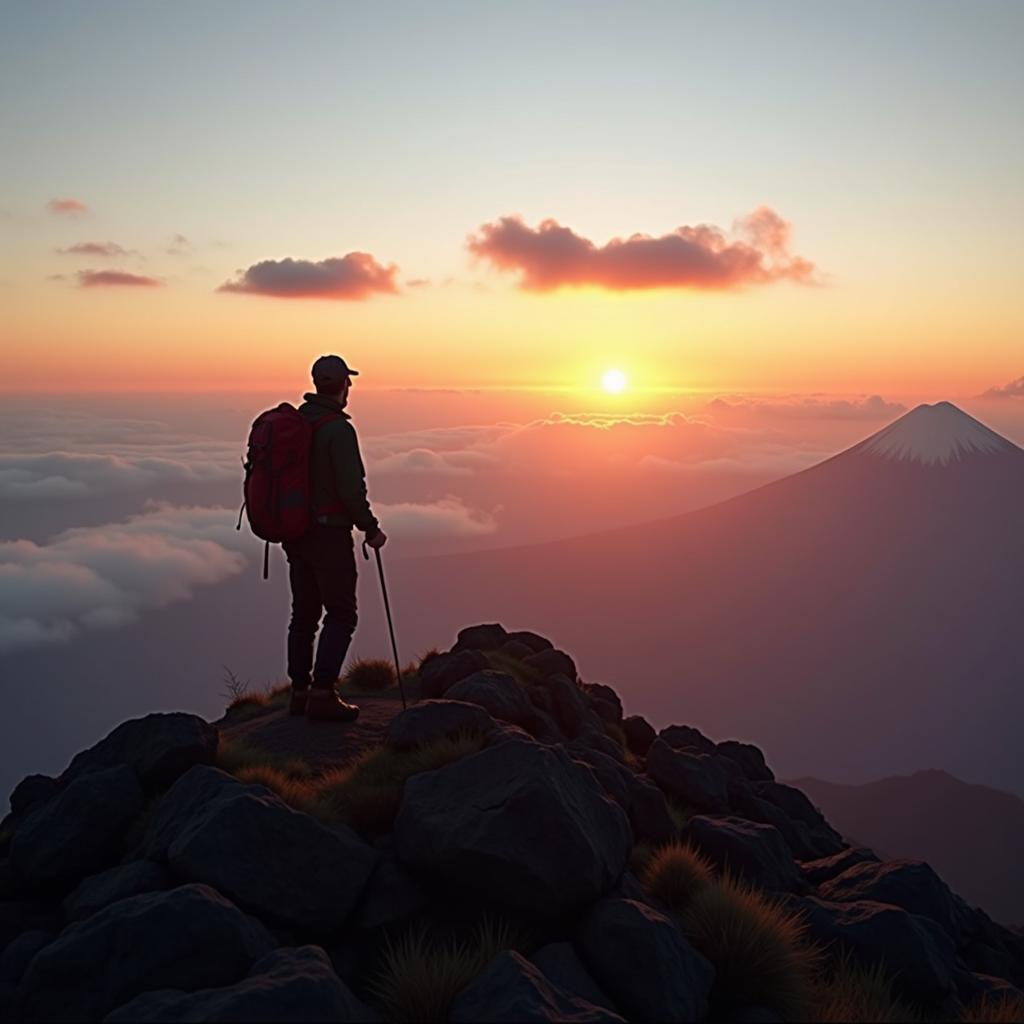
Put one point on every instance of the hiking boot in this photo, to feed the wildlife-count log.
(297, 705)
(327, 706)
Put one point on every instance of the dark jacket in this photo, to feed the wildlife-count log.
(337, 475)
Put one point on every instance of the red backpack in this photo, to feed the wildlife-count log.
(276, 490)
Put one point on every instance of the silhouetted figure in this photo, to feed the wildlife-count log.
(321, 563)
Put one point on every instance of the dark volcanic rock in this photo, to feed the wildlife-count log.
(117, 883)
(512, 989)
(749, 758)
(640, 734)
(392, 895)
(915, 951)
(485, 637)
(18, 916)
(269, 858)
(519, 824)
(159, 747)
(18, 954)
(534, 641)
(560, 964)
(188, 938)
(78, 831)
(497, 693)
(444, 670)
(432, 719)
(804, 842)
(685, 737)
(515, 649)
(910, 884)
(568, 704)
(641, 957)
(824, 869)
(605, 701)
(698, 780)
(756, 853)
(32, 790)
(297, 984)
(552, 662)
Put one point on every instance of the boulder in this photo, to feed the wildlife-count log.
(18, 916)
(568, 704)
(297, 984)
(512, 989)
(749, 758)
(497, 693)
(444, 670)
(551, 662)
(77, 832)
(644, 962)
(485, 637)
(804, 842)
(795, 804)
(534, 641)
(188, 938)
(697, 780)
(913, 950)
(640, 734)
(593, 737)
(561, 965)
(518, 823)
(18, 954)
(271, 859)
(685, 737)
(605, 701)
(824, 869)
(117, 883)
(159, 747)
(32, 790)
(649, 814)
(429, 720)
(756, 853)
(910, 884)
(392, 895)
(515, 649)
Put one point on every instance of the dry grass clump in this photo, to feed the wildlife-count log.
(366, 792)
(420, 974)
(994, 1009)
(758, 950)
(369, 675)
(299, 793)
(234, 754)
(522, 674)
(850, 992)
(675, 875)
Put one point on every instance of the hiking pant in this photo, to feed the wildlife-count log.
(322, 572)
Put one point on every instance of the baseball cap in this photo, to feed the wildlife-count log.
(331, 369)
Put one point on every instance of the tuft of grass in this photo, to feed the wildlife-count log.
(676, 874)
(852, 992)
(420, 974)
(366, 792)
(369, 675)
(995, 1010)
(758, 949)
(235, 754)
(426, 656)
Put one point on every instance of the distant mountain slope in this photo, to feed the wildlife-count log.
(856, 619)
(972, 835)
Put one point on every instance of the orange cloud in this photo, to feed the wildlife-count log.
(67, 205)
(95, 249)
(1015, 389)
(354, 276)
(114, 279)
(551, 256)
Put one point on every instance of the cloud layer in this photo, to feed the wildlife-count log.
(67, 205)
(95, 249)
(355, 276)
(552, 256)
(1015, 389)
(115, 279)
(872, 407)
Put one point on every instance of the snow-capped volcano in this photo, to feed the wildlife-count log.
(934, 434)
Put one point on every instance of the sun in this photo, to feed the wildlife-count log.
(614, 382)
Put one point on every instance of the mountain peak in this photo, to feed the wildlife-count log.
(935, 434)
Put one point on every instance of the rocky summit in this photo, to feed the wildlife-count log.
(512, 847)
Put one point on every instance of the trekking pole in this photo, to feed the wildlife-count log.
(387, 609)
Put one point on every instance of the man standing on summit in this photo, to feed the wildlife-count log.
(321, 563)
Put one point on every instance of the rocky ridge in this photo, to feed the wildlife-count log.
(147, 883)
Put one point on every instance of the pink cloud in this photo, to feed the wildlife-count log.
(115, 279)
(95, 249)
(354, 276)
(1015, 389)
(68, 205)
(552, 256)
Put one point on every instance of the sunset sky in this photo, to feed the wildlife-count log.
(806, 197)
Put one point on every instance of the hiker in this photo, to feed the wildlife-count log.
(321, 563)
